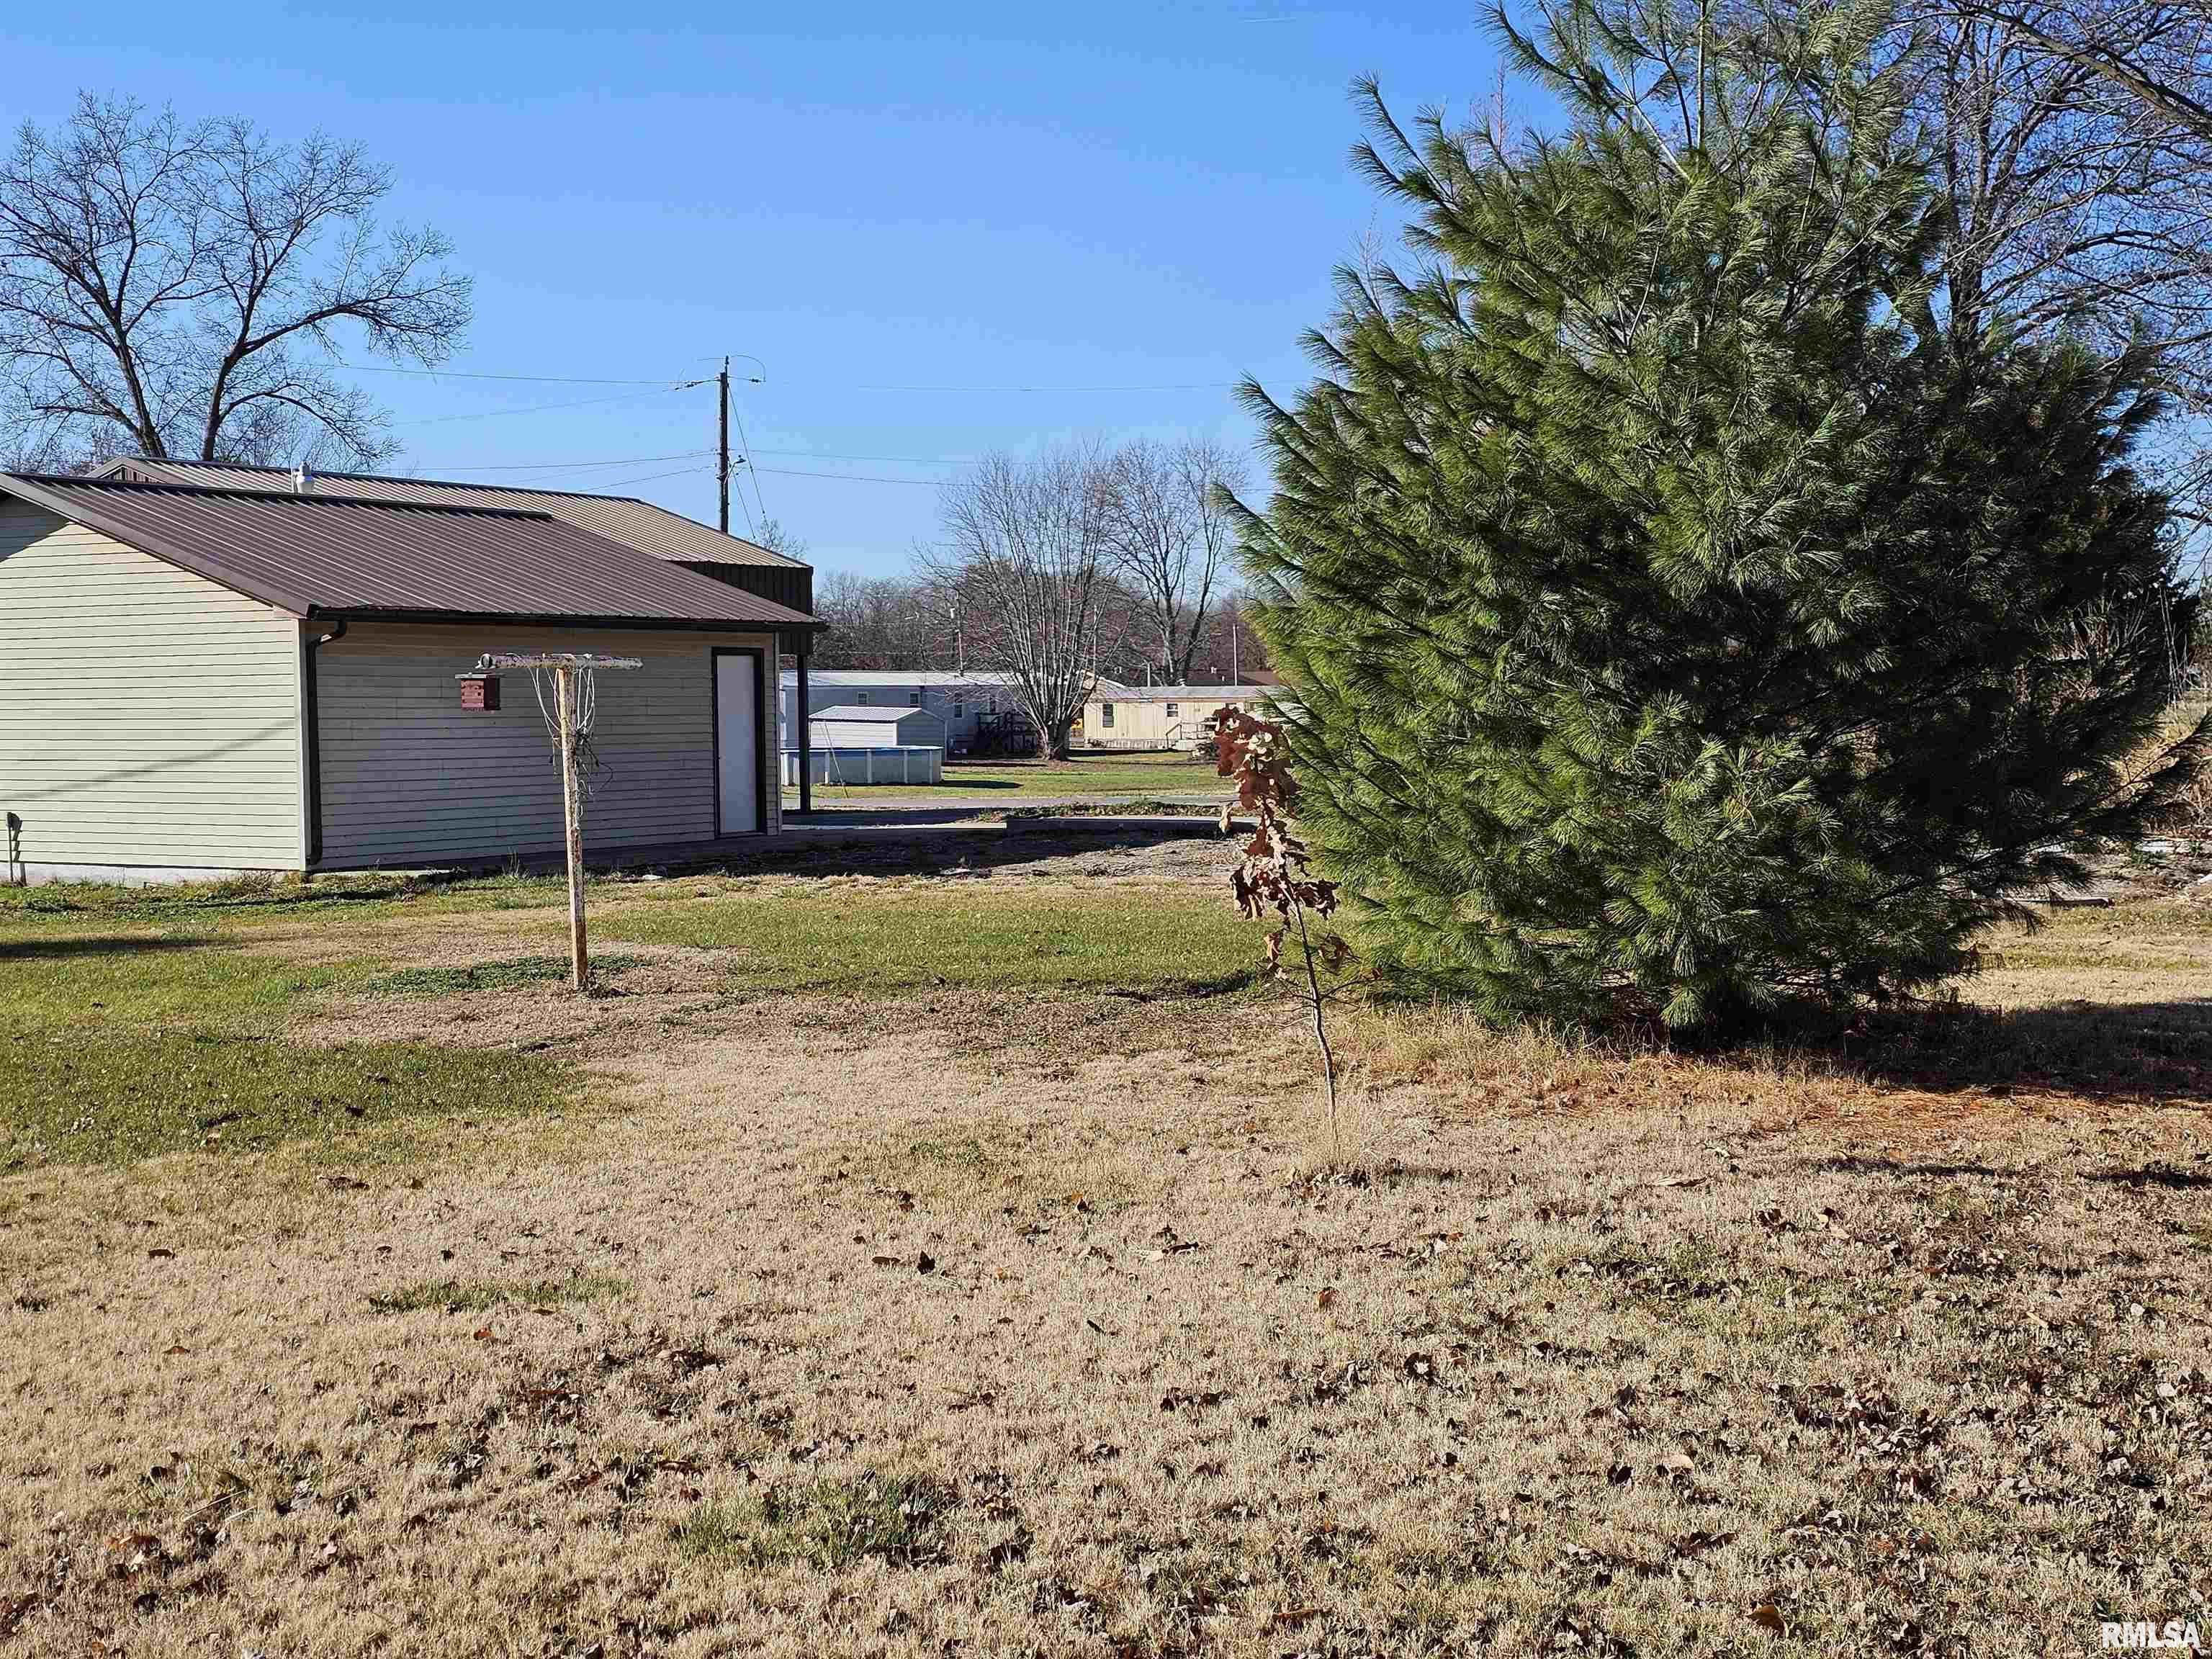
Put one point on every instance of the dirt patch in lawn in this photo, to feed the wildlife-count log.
(419, 940)
(638, 991)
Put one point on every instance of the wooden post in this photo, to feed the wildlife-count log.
(805, 720)
(579, 962)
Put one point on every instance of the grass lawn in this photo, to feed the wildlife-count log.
(135, 1021)
(963, 1265)
(1107, 776)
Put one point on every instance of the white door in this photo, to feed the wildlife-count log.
(737, 740)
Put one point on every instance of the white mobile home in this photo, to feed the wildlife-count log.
(198, 680)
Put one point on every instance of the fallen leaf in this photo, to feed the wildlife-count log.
(1697, 1543)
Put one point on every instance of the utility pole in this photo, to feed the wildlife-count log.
(722, 471)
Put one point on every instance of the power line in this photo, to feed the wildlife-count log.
(539, 408)
(848, 477)
(1180, 385)
(601, 379)
(742, 441)
(468, 375)
(832, 455)
(678, 472)
(571, 467)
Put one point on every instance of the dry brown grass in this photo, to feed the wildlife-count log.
(965, 1324)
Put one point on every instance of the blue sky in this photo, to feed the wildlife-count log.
(863, 197)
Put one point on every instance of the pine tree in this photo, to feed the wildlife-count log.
(1680, 619)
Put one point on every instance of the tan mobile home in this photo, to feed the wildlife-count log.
(1161, 716)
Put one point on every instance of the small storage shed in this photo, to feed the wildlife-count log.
(963, 701)
(859, 726)
(196, 681)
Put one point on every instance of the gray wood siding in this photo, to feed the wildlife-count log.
(410, 778)
(147, 716)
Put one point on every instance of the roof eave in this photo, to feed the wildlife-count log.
(122, 464)
(560, 619)
(221, 575)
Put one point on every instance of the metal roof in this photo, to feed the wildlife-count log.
(863, 711)
(980, 679)
(874, 677)
(347, 556)
(623, 519)
(1189, 693)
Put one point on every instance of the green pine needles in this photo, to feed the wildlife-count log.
(1681, 619)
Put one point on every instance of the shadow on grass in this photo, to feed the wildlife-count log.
(1190, 990)
(2154, 1174)
(156, 900)
(92, 945)
(910, 848)
(2150, 1175)
(1855, 1164)
(2120, 1051)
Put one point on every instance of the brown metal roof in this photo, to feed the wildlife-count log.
(621, 518)
(330, 555)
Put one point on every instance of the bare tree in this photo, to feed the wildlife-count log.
(2153, 51)
(179, 289)
(2072, 140)
(1025, 546)
(778, 539)
(1169, 538)
(1229, 651)
(879, 623)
